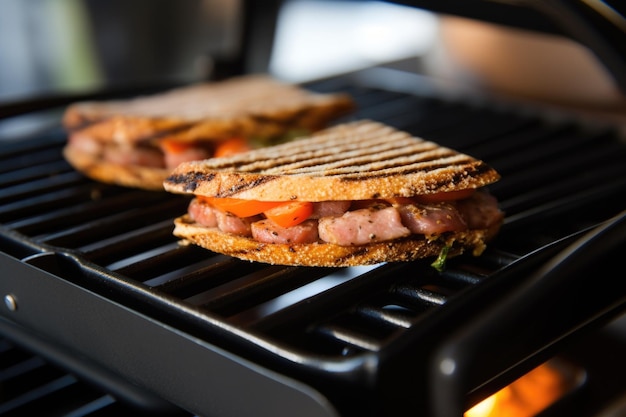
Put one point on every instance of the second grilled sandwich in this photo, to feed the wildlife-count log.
(136, 142)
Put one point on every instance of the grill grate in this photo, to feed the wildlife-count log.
(321, 325)
(30, 384)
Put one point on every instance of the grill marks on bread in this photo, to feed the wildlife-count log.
(351, 146)
(358, 160)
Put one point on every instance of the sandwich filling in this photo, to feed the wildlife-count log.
(168, 154)
(350, 223)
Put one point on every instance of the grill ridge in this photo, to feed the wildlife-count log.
(317, 325)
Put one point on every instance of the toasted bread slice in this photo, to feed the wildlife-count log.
(253, 104)
(254, 107)
(360, 160)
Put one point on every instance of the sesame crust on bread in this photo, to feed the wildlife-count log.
(360, 160)
(326, 254)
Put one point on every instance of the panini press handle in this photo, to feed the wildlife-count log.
(473, 350)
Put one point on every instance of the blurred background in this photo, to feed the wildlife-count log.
(73, 45)
(69, 46)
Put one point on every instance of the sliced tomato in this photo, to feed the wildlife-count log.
(224, 148)
(231, 147)
(446, 196)
(239, 207)
(290, 214)
(174, 146)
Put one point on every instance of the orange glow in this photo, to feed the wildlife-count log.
(525, 397)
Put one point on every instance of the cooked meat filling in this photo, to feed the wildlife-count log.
(356, 223)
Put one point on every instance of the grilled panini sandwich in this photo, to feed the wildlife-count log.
(353, 194)
(136, 142)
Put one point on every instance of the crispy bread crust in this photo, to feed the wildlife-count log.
(353, 161)
(247, 105)
(327, 254)
(97, 169)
